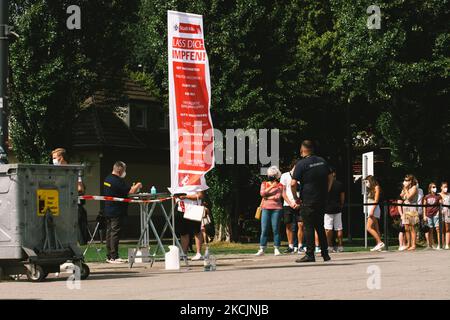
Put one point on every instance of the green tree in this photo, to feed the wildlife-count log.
(398, 78)
(55, 69)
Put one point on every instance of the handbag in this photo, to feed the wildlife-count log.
(393, 209)
(194, 212)
(259, 210)
(206, 220)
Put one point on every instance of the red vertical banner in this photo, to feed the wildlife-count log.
(191, 129)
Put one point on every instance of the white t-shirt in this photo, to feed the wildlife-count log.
(188, 201)
(286, 180)
(419, 200)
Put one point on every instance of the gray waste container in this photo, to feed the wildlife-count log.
(38, 219)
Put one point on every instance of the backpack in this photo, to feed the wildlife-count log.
(393, 209)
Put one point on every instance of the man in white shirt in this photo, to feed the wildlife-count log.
(291, 212)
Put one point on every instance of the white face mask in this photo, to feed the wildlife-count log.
(405, 183)
(444, 190)
(56, 162)
(124, 174)
(434, 189)
(367, 184)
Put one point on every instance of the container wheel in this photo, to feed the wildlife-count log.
(38, 275)
(85, 271)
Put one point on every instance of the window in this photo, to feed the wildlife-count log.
(138, 116)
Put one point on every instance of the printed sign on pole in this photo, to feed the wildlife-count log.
(191, 129)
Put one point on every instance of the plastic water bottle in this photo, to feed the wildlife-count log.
(206, 264)
(212, 263)
(153, 190)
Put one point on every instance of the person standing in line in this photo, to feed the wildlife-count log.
(272, 208)
(446, 213)
(333, 214)
(291, 213)
(373, 190)
(315, 179)
(410, 215)
(432, 199)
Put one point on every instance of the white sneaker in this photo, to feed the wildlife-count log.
(276, 252)
(120, 260)
(197, 257)
(318, 250)
(437, 248)
(447, 247)
(114, 261)
(378, 247)
(340, 249)
(295, 250)
(259, 253)
(402, 248)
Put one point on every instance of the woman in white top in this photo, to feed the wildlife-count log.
(373, 190)
(410, 215)
(188, 228)
(446, 213)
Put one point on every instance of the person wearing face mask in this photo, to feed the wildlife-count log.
(292, 220)
(59, 158)
(410, 215)
(446, 213)
(114, 212)
(272, 208)
(373, 190)
(432, 199)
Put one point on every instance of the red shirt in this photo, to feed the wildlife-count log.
(432, 199)
(277, 195)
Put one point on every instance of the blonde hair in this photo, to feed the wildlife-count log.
(61, 152)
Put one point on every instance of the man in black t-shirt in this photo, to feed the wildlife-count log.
(333, 214)
(315, 178)
(115, 186)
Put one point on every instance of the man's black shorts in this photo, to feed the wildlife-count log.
(291, 215)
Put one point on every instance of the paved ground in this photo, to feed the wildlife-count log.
(417, 275)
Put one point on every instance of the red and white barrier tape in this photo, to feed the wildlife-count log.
(127, 200)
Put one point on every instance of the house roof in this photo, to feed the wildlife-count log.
(99, 126)
(129, 89)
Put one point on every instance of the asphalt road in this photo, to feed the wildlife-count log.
(385, 275)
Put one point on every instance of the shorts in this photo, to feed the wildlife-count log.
(186, 227)
(446, 214)
(377, 212)
(433, 222)
(410, 218)
(290, 215)
(333, 221)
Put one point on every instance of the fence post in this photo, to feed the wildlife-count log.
(440, 227)
(386, 236)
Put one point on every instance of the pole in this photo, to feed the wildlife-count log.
(386, 236)
(4, 32)
(349, 173)
(441, 234)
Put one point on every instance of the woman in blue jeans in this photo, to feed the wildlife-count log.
(272, 209)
